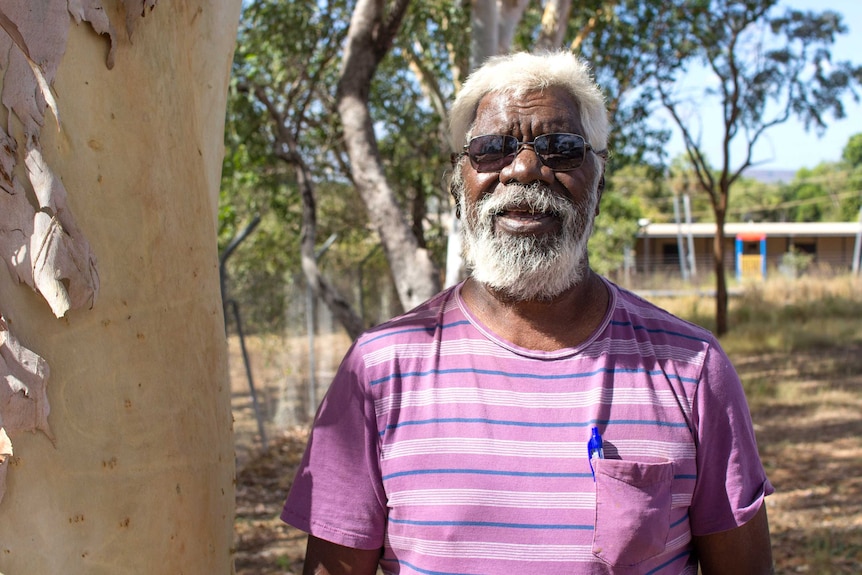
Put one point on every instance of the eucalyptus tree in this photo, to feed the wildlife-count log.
(764, 68)
(409, 74)
(410, 93)
(286, 141)
(430, 39)
(283, 130)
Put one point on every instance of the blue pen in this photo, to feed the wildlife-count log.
(595, 449)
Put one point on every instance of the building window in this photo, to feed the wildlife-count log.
(670, 255)
(751, 248)
(809, 248)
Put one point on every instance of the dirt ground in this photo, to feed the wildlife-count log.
(807, 410)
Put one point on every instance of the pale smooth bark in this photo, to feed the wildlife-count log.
(139, 477)
(511, 12)
(555, 17)
(484, 15)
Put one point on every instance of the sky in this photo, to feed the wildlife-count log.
(789, 146)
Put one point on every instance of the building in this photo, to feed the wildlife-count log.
(751, 249)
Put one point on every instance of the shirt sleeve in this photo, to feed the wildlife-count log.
(337, 494)
(731, 481)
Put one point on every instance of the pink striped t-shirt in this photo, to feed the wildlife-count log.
(459, 453)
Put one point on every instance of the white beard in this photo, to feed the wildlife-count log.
(526, 268)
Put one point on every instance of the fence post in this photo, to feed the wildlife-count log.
(858, 247)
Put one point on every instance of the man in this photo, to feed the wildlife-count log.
(535, 419)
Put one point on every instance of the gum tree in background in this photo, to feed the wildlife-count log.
(373, 27)
(283, 122)
(288, 159)
(765, 66)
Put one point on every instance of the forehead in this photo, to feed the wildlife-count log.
(529, 114)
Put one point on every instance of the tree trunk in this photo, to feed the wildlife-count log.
(511, 12)
(485, 33)
(720, 275)
(555, 19)
(139, 477)
(416, 277)
(337, 304)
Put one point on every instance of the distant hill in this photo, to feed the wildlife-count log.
(770, 176)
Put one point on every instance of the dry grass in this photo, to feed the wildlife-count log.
(798, 348)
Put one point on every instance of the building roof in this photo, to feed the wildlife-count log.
(779, 229)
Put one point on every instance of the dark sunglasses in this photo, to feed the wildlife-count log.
(559, 151)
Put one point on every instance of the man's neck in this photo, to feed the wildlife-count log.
(562, 322)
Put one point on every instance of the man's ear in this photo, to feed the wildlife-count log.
(600, 189)
(449, 180)
(453, 190)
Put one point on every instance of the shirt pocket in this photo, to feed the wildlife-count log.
(633, 503)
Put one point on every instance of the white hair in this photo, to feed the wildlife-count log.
(523, 72)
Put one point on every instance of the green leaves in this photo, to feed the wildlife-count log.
(767, 64)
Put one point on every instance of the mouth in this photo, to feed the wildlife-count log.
(526, 221)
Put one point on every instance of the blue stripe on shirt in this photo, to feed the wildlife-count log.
(540, 376)
(429, 330)
(492, 524)
(418, 569)
(536, 474)
(668, 562)
(485, 421)
(658, 330)
(533, 474)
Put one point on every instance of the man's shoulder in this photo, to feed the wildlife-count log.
(419, 324)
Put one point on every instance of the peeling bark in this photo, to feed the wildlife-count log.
(92, 11)
(135, 10)
(16, 215)
(23, 398)
(62, 268)
(5, 454)
(41, 243)
(139, 386)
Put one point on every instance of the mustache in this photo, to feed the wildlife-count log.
(535, 198)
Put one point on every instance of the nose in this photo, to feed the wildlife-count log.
(526, 168)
